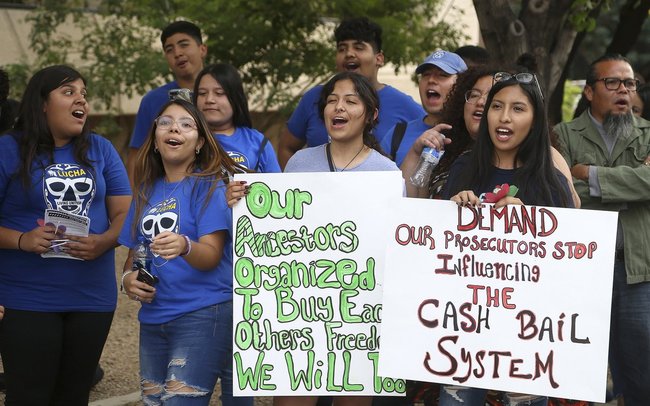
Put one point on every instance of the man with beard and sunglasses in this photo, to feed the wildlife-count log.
(607, 149)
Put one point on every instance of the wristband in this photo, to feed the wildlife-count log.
(122, 283)
(188, 242)
(20, 238)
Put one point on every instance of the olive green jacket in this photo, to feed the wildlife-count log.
(624, 182)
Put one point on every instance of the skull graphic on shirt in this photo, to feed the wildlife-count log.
(69, 188)
(164, 216)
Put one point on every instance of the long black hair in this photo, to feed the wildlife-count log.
(368, 96)
(537, 179)
(231, 82)
(32, 131)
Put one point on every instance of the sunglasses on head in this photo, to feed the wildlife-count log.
(522, 77)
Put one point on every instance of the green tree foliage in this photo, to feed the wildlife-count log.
(278, 45)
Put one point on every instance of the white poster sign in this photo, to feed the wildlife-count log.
(514, 299)
(308, 267)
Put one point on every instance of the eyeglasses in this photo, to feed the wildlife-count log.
(473, 96)
(615, 83)
(522, 77)
(185, 124)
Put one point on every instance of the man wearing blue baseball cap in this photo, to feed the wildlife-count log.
(436, 76)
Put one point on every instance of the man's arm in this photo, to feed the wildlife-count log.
(289, 145)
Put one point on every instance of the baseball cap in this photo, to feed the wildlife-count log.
(447, 61)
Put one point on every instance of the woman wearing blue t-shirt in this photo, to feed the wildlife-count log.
(58, 289)
(219, 94)
(180, 209)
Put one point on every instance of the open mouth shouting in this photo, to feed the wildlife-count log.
(432, 95)
(173, 142)
(622, 104)
(351, 66)
(79, 114)
(503, 133)
(339, 122)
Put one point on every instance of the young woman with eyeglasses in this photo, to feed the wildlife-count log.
(180, 209)
(58, 311)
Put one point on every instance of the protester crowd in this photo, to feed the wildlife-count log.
(171, 203)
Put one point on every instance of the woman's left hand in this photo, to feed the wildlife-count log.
(86, 248)
(168, 245)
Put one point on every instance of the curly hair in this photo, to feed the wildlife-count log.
(453, 114)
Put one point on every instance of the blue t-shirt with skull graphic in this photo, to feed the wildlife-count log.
(29, 282)
(181, 208)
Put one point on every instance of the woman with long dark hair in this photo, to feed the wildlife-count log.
(219, 94)
(512, 147)
(57, 286)
(185, 286)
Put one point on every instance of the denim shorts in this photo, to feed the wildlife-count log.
(190, 353)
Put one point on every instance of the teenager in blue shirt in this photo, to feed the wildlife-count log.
(219, 94)
(58, 311)
(184, 52)
(180, 209)
(358, 49)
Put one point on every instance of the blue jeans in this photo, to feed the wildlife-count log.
(457, 395)
(180, 361)
(629, 342)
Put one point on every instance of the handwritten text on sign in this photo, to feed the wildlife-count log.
(514, 299)
(307, 277)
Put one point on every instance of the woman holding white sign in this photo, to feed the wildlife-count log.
(349, 106)
(512, 148)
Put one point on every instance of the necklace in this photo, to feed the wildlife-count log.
(173, 190)
(330, 161)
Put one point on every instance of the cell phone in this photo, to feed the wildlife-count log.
(146, 277)
(183, 94)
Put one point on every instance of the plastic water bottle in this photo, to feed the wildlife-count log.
(141, 256)
(429, 159)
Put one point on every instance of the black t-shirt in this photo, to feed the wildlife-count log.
(499, 177)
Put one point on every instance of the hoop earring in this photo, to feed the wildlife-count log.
(198, 150)
(155, 150)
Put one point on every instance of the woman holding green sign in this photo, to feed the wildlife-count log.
(349, 107)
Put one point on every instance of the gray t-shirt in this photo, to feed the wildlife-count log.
(314, 159)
